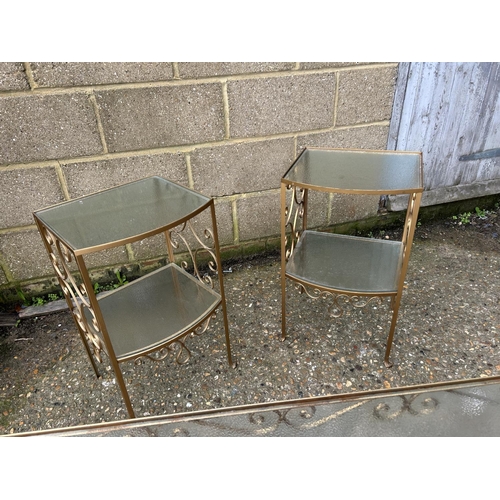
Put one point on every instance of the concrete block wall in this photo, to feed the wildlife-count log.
(229, 130)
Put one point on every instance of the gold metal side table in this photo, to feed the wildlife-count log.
(345, 268)
(151, 316)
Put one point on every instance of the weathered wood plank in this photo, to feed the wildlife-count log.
(449, 109)
(44, 309)
(51, 307)
(7, 319)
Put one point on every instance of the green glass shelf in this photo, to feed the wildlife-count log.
(369, 172)
(122, 214)
(166, 303)
(346, 263)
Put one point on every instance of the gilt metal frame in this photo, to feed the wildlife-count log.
(294, 212)
(84, 304)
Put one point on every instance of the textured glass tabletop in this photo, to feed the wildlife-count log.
(120, 213)
(346, 263)
(463, 409)
(456, 410)
(374, 172)
(166, 303)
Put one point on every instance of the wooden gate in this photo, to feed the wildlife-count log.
(448, 111)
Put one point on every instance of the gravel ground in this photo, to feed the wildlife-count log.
(448, 329)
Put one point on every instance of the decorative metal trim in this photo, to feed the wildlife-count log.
(178, 346)
(267, 422)
(427, 405)
(340, 300)
(178, 233)
(61, 257)
(408, 224)
(294, 212)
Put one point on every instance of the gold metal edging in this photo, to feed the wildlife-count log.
(281, 404)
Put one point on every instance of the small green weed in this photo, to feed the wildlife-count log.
(482, 213)
(463, 218)
(122, 280)
(22, 297)
(38, 301)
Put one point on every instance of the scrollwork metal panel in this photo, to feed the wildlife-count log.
(294, 218)
(76, 294)
(206, 246)
(339, 300)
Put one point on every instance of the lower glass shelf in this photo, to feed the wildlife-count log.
(154, 309)
(346, 263)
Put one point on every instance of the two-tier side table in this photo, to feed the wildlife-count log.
(347, 269)
(154, 314)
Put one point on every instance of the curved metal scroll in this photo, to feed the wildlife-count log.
(76, 294)
(294, 213)
(178, 346)
(425, 406)
(339, 300)
(207, 245)
(408, 224)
